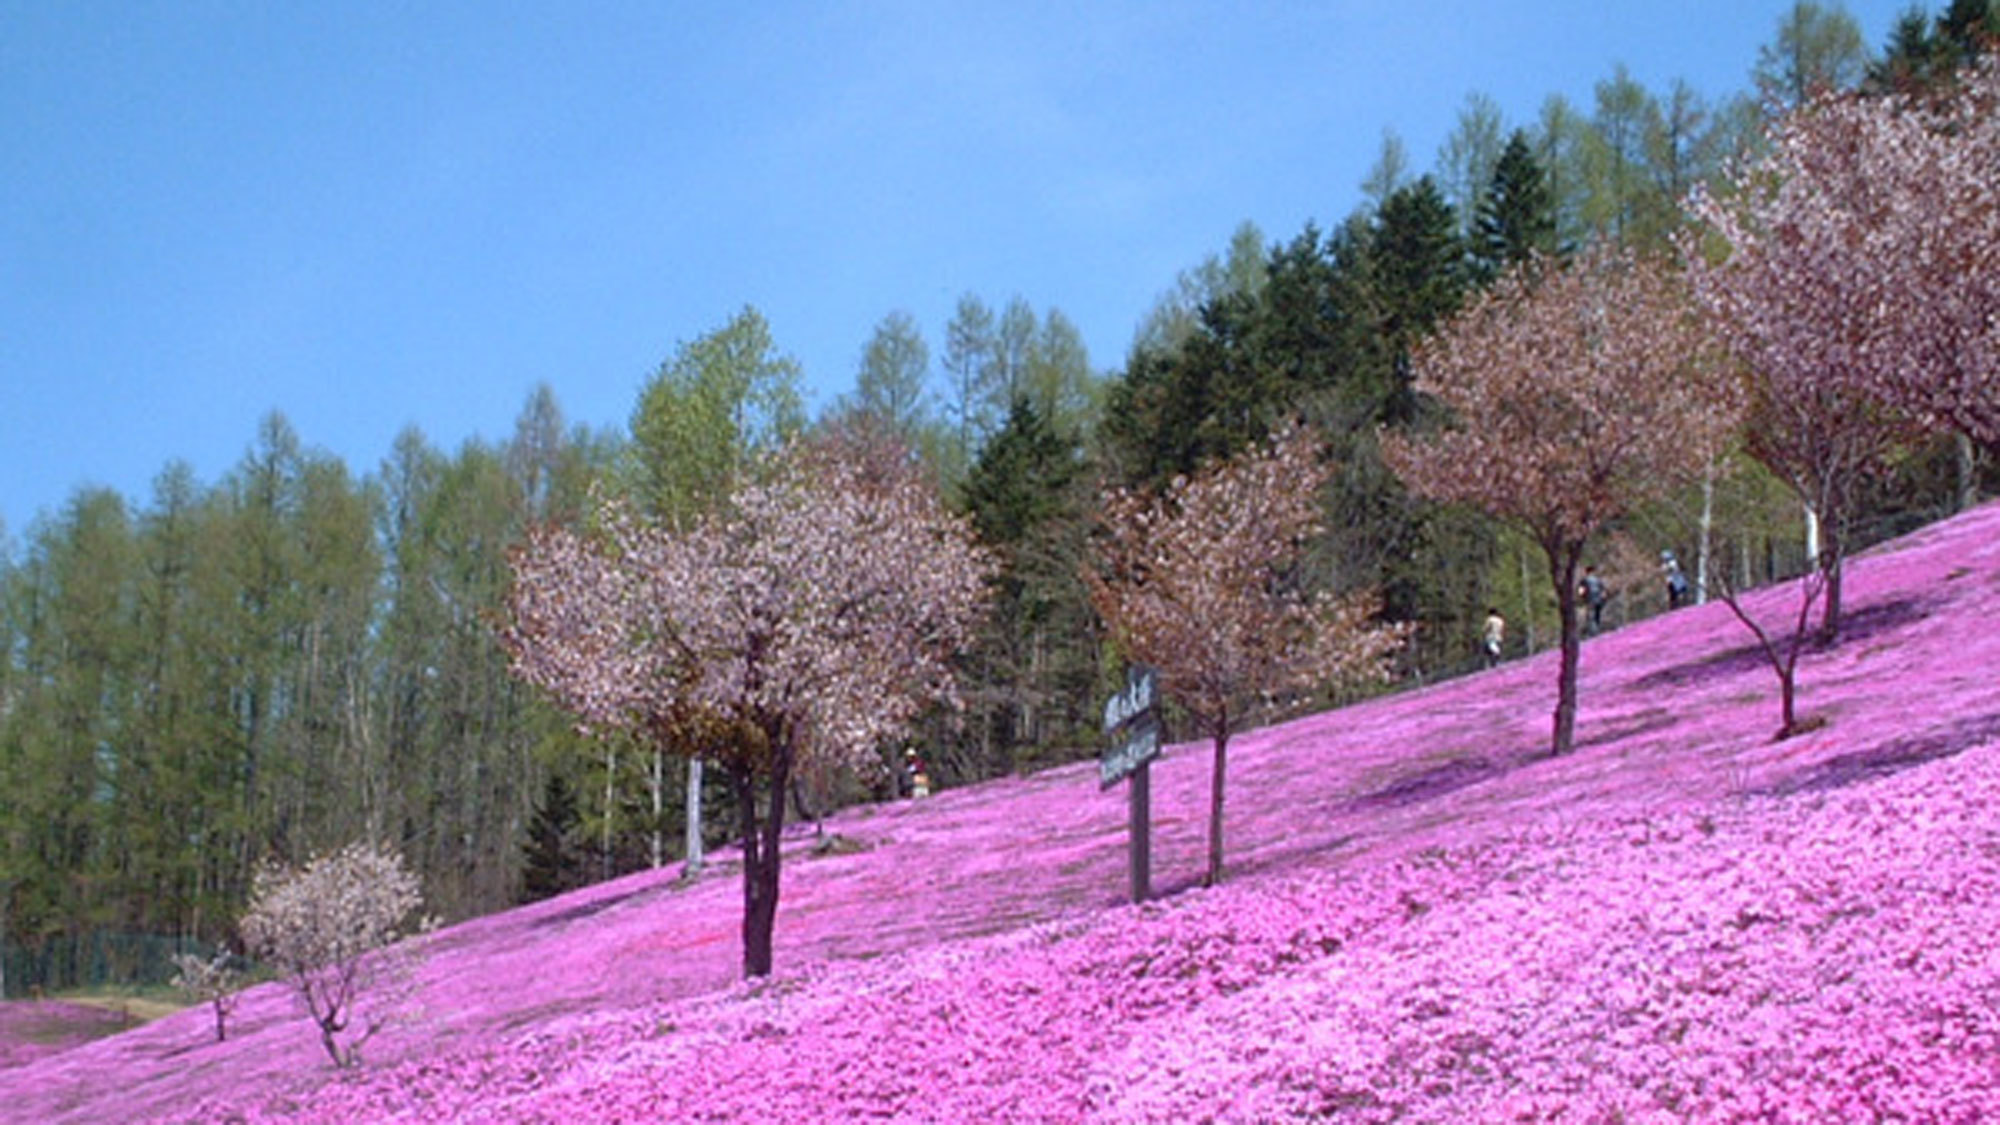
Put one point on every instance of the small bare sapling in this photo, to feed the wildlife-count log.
(213, 981)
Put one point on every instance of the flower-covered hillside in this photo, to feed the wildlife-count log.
(1427, 920)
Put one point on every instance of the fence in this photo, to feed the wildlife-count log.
(99, 959)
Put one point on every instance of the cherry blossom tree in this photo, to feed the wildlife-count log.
(1945, 225)
(809, 620)
(334, 929)
(1200, 583)
(1575, 391)
(1854, 270)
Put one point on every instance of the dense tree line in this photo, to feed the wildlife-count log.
(267, 666)
(298, 655)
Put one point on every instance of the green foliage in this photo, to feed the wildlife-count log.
(553, 856)
(1923, 54)
(1176, 313)
(265, 665)
(1418, 274)
(1031, 674)
(1816, 49)
(990, 362)
(1469, 156)
(1517, 217)
(722, 398)
(891, 385)
(1326, 337)
(1253, 357)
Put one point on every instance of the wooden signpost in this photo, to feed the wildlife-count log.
(1132, 719)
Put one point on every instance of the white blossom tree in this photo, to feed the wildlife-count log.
(802, 625)
(210, 980)
(331, 929)
(1944, 230)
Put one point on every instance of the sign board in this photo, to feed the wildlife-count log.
(1134, 724)
(1141, 689)
(1139, 744)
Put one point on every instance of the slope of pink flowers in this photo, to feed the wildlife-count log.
(1427, 921)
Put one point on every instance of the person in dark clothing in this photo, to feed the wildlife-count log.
(1594, 594)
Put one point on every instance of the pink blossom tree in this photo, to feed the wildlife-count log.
(1935, 162)
(1854, 271)
(808, 621)
(1199, 582)
(1575, 391)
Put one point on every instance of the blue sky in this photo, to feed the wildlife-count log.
(371, 215)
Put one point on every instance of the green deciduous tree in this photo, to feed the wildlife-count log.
(1468, 156)
(893, 383)
(707, 412)
(1817, 49)
(1176, 313)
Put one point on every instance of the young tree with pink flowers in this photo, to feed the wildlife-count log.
(1854, 271)
(1574, 391)
(1200, 583)
(802, 625)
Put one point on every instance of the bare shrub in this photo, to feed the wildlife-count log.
(213, 982)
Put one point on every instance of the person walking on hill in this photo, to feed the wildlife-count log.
(1677, 583)
(1594, 594)
(1494, 638)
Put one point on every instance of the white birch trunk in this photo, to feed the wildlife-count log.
(658, 784)
(694, 856)
(1701, 561)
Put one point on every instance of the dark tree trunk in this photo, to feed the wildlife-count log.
(1564, 559)
(761, 837)
(1788, 693)
(1221, 771)
(1784, 658)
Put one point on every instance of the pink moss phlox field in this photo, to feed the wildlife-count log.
(1429, 920)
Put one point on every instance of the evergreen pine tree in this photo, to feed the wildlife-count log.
(552, 857)
(1516, 213)
(1037, 652)
(1419, 272)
